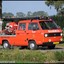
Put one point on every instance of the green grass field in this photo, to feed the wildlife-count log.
(26, 56)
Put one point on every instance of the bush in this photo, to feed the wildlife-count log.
(59, 56)
(20, 56)
(59, 20)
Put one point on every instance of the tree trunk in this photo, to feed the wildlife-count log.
(0, 8)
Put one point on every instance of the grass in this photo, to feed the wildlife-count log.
(59, 56)
(22, 55)
(26, 56)
(60, 45)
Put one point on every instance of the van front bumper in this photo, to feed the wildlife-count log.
(52, 43)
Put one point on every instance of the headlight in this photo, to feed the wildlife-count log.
(46, 35)
(60, 34)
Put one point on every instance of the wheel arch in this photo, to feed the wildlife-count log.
(31, 40)
(4, 40)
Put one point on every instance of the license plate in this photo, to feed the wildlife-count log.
(56, 43)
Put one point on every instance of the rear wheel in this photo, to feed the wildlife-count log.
(32, 45)
(51, 46)
(6, 45)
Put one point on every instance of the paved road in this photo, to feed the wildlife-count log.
(57, 48)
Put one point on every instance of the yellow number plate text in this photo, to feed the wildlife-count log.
(56, 43)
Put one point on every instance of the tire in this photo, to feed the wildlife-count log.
(51, 47)
(32, 45)
(6, 45)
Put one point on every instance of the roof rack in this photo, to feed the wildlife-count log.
(25, 18)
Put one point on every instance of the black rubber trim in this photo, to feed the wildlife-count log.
(47, 43)
(51, 43)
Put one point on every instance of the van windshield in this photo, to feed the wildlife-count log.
(48, 25)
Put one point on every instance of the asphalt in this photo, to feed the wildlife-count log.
(57, 48)
(44, 49)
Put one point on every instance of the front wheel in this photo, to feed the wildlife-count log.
(6, 45)
(51, 46)
(32, 45)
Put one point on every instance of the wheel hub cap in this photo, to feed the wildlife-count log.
(32, 45)
(5, 45)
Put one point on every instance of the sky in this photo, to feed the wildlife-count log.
(25, 6)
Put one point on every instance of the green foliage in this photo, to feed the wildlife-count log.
(5, 15)
(61, 12)
(20, 14)
(59, 56)
(29, 14)
(57, 4)
(59, 20)
(40, 13)
(37, 56)
(4, 24)
(22, 56)
(0, 8)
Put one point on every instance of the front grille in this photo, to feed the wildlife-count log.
(53, 34)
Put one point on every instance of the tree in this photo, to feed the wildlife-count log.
(40, 13)
(20, 14)
(29, 14)
(7, 15)
(0, 8)
(61, 12)
(57, 4)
